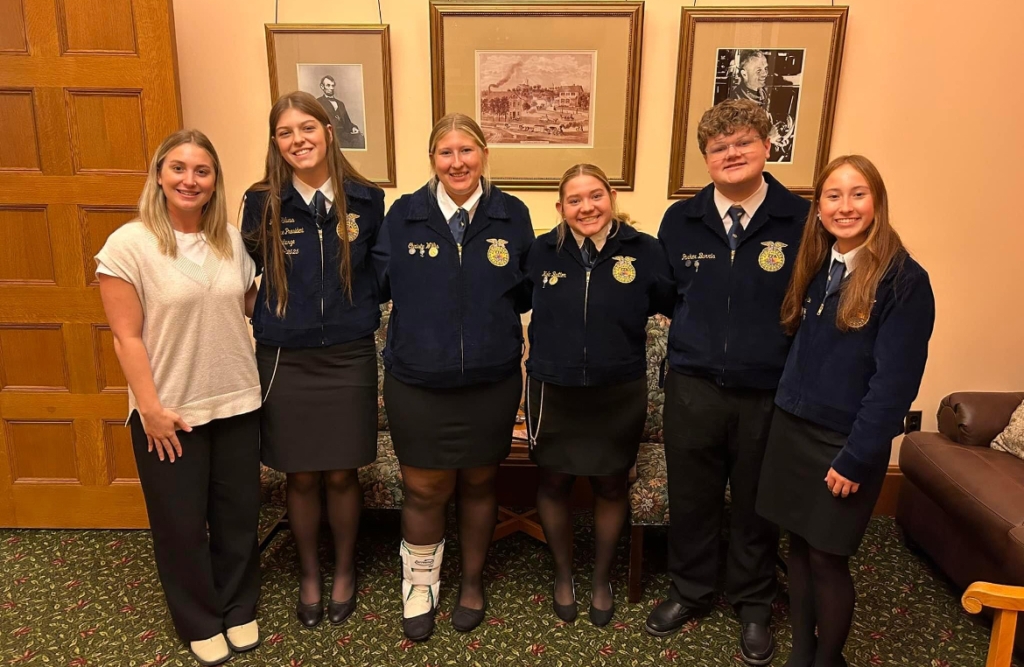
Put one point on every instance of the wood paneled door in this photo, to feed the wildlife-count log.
(88, 90)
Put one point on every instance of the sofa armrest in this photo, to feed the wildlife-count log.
(976, 417)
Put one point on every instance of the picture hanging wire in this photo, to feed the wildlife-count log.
(380, 14)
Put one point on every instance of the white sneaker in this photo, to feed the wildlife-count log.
(212, 651)
(243, 638)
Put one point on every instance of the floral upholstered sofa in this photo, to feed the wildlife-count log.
(648, 490)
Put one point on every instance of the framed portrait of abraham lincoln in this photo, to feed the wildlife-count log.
(551, 84)
(347, 68)
(786, 59)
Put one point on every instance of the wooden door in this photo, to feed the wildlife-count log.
(88, 90)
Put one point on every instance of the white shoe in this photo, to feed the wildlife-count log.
(243, 638)
(212, 651)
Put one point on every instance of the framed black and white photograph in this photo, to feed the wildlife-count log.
(786, 59)
(339, 90)
(347, 68)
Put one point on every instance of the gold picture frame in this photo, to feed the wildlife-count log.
(786, 58)
(349, 68)
(582, 103)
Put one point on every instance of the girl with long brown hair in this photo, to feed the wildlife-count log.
(309, 224)
(862, 311)
(595, 280)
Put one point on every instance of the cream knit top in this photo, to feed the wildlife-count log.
(193, 324)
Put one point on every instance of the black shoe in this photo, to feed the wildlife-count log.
(566, 612)
(601, 617)
(419, 627)
(757, 645)
(309, 615)
(669, 616)
(338, 612)
(465, 619)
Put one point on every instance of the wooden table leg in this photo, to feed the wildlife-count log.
(510, 522)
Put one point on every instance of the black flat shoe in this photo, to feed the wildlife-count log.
(419, 627)
(669, 616)
(338, 612)
(309, 615)
(465, 619)
(601, 617)
(757, 645)
(566, 612)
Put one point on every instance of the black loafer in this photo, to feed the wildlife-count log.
(465, 619)
(418, 628)
(757, 645)
(601, 617)
(669, 616)
(338, 612)
(309, 615)
(566, 612)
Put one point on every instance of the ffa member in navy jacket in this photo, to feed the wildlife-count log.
(595, 281)
(731, 250)
(862, 311)
(311, 222)
(451, 255)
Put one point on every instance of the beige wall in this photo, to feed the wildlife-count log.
(929, 91)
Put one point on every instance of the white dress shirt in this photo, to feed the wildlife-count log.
(750, 206)
(448, 206)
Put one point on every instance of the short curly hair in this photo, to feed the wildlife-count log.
(732, 116)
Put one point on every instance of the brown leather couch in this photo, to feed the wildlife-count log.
(961, 502)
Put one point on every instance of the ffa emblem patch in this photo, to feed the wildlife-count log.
(858, 321)
(623, 271)
(350, 227)
(550, 278)
(497, 254)
(772, 258)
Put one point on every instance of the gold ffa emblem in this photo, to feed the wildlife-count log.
(550, 278)
(623, 271)
(350, 227)
(432, 249)
(497, 254)
(772, 258)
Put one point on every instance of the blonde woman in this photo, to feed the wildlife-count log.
(176, 286)
(451, 255)
(595, 281)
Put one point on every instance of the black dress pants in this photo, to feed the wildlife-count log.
(715, 435)
(211, 581)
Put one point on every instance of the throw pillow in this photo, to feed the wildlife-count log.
(1011, 440)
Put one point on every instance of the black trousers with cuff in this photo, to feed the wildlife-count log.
(715, 435)
(211, 579)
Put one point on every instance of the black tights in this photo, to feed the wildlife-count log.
(344, 503)
(427, 493)
(610, 509)
(821, 598)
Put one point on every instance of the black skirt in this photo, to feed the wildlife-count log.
(452, 428)
(320, 406)
(586, 431)
(793, 493)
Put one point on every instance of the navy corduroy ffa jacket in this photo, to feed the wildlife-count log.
(861, 382)
(319, 312)
(726, 323)
(588, 327)
(455, 309)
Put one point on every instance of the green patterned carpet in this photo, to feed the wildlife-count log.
(86, 598)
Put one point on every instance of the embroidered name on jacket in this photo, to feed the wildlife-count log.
(424, 249)
(550, 278)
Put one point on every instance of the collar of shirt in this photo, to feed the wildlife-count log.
(750, 205)
(449, 207)
(599, 238)
(847, 259)
(307, 192)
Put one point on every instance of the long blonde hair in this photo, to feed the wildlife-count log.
(882, 250)
(462, 123)
(585, 169)
(276, 175)
(153, 203)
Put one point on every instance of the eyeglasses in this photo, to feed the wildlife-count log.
(744, 146)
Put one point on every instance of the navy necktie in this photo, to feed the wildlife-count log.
(835, 278)
(588, 251)
(458, 225)
(735, 212)
(319, 208)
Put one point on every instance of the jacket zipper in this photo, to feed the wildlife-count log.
(728, 310)
(320, 233)
(462, 346)
(586, 300)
